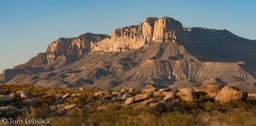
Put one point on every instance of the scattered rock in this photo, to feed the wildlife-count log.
(187, 94)
(230, 93)
(10, 111)
(157, 93)
(7, 108)
(210, 90)
(82, 89)
(148, 101)
(23, 94)
(116, 93)
(171, 95)
(252, 96)
(124, 90)
(131, 90)
(166, 89)
(129, 101)
(149, 89)
(5, 98)
(13, 95)
(66, 95)
(100, 93)
(124, 97)
(141, 97)
(102, 107)
(70, 106)
(74, 95)
(107, 96)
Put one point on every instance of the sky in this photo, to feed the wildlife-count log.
(27, 27)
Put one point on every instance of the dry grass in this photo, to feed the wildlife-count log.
(204, 112)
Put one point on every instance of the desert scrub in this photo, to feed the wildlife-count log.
(85, 97)
(71, 118)
(96, 110)
(176, 119)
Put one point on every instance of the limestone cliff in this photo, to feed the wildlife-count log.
(75, 47)
(158, 51)
(151, 30)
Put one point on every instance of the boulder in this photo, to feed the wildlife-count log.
(116, 93)
(129, 101)
(187, 94)
(170, 95)
(5, 98)
(10, 111)
(210, 90)
(103, 107)
(148, 101)
(13, 95)
(70, 106)
(166, 89)
(124, 90)
(149, 89)
(141, 97)
(104, 94)
(124, 97)
(230, 93)
(23, 94)
(75, 95)
(66, 95)
(157, 93)
(131, 90)
(252, 96)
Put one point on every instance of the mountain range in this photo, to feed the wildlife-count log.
(158, 52)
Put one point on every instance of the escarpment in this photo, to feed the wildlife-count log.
(158, 51)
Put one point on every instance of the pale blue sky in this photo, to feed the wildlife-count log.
(29, 26)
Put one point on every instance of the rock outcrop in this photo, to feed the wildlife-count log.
(230, 93)
(151, 30)
(210, 90)
(75, 47)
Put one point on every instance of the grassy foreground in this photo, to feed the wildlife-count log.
(91, 110)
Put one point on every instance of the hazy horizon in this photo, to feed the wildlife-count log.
(28, 27)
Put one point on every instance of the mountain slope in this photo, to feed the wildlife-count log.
(158, 51)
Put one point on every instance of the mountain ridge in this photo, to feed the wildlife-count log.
(158, 51)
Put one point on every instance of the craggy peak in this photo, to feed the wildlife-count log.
(158, 52)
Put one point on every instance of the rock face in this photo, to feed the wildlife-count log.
(230, 93)
(72, 47)
(152, 29)
(158, 51)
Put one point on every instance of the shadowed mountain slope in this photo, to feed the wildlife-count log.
(158, 51)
